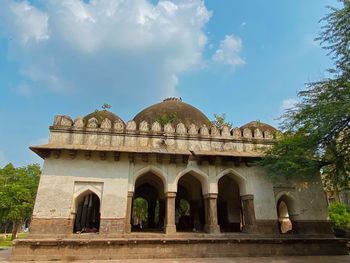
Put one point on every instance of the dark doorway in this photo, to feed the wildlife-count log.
(148, 209)
(229, 205)
(189, 205)
(284, 221)
(87, 219)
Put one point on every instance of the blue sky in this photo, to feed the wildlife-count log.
(246, 59)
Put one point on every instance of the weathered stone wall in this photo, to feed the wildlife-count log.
(154, 137)
(108, 158)
(159, 247)
(65, 178)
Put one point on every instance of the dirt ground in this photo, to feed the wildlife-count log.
(6, 252)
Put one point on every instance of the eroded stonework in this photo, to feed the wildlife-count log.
(195, 178)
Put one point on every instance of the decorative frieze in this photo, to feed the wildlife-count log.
(154, 137)
(65, 122)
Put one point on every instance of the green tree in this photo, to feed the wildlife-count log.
(167, 118)
(220, 120)
(106, 106)
(339, 215)
(317, 129)
(18, 187)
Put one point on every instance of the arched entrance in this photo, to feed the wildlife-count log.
(87, 218)
(189, 204)
(284, 206)
(148, 210)
(229, 205)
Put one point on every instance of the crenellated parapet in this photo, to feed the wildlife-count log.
(63, 122)
(91, 134)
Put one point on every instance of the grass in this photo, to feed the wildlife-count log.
(7, 241)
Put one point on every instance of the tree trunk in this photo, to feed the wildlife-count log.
(15, 230)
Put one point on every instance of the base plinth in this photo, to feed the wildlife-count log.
(181, 246)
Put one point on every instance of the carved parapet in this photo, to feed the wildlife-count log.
(236, 133)
(156, 127)
(193, 130)
(181, 129)
(268, 134)
(247, 133)
(131, 126)
(118, 126)
(168, 129)
(214, 131)
(106, 124)
(204, 131)
(78, 123)
(92, 123)
(225, 132)
(258, 134)
(62, 120)
(143, 127)
(149, 137)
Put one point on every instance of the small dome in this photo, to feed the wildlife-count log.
(172, 110)
(100, 115)
(257, 124)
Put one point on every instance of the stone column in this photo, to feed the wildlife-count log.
(170, 227)
(128, 212)
(211, 218)
(249, 214)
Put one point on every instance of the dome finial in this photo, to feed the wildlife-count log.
(172, 99)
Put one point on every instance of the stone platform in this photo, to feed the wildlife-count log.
(143, 246)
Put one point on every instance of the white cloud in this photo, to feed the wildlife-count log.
(229, 51)
(27, 22)
(106, 44)
(288, 104)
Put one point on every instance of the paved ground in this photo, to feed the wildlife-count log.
(5, 253)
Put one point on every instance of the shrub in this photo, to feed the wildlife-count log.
(339, 215)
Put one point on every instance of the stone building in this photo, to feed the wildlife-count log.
(193, 181)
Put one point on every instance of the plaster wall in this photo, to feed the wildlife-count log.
(306, 198)
(64, 179)
(311, 200)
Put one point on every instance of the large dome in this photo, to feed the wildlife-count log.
(100, 115)
(172, 110)
(257, 124)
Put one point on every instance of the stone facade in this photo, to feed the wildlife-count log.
(213, 170)
(108, 158)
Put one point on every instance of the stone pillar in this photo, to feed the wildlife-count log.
(170, 227)
(128, 212)
(211, 218)
(249, 214)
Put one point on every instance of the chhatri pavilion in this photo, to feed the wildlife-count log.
(169, 184)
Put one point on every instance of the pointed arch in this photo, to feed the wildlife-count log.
(87, 214)
(150, 169)
(198, 174)
(290, 200)
(149, 185)
(88, 189)
(241, 181)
